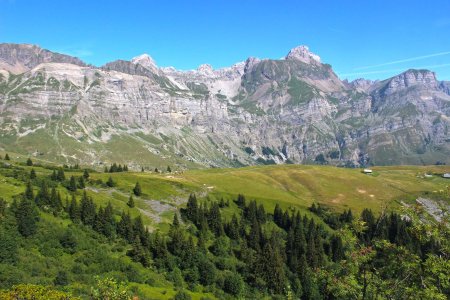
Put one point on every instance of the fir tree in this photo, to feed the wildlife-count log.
(32, 174)
(87, 210)
(60, 175)
(29, 194)
(27, 217)
(137, 189)
(110, 182)
(86, 174)
(192, 209)
(7, 157)
(278, 215)
(169, 169)
(81, 183)
(72, 186)
(54, 177)
(29, 162)
(130, 202)
(125, 227)
(74, 210)
(43, 196)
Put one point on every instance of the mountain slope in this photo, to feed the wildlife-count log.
(267, 111)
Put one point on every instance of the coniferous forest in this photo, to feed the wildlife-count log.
(69, 248)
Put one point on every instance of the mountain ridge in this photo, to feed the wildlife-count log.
(260, 111)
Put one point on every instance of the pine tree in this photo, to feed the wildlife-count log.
(337, 249)
(87, 210)
(169, 169)
(240, 201)
(81, 183)
(29, 162)
(86, 174)
(130, 202)
(27, 217)
(54, 177)
(74, 210)
(32, 174)
(278, 215)
(29, 194)
(125, 227)
(192, 209)
(137, 189)
(72, 186)
(110, 182)
(7, 156)
(43, 196)
(60, 175)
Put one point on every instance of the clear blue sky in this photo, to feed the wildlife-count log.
(371, 39)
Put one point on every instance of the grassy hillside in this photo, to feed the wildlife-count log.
(68, 253)
(289, 185)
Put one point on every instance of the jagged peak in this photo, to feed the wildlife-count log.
(303, 54)
(145, 60)
(205, 69)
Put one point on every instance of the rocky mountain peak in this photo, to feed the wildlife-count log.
(146, 61)
(410, 78)
(19, 58)
(303, 54)
(250, 63)
(206, 70)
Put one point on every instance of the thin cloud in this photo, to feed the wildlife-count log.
(81, 52)
(392, 70)
(403, 60)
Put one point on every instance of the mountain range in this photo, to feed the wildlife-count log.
(261, 111)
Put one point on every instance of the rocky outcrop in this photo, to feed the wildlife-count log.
(19, 58)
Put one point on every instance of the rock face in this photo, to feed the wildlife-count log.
(18, 58)
(293, 110)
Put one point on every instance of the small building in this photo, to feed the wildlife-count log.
(446, 175)
(367, 171)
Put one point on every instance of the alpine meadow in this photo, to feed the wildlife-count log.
(265, 178)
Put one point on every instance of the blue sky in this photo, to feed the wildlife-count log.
(371, 39)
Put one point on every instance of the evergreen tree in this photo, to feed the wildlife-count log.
(29, 162)
(169, 169)
(74, 210)
(32, 174)
(86, 174)
(87, 210)
(60, 175)
(278, 215)
(43, 196)
(125, 227)
(137, 189)
(7, 156)
(81, 183)
(240, 201)
(337, 249)
(215, 220)
(27, 217)
(130, 202)
(29, 194)
(72, 186)
(110, 182)
(54, 177)
(192, 209)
